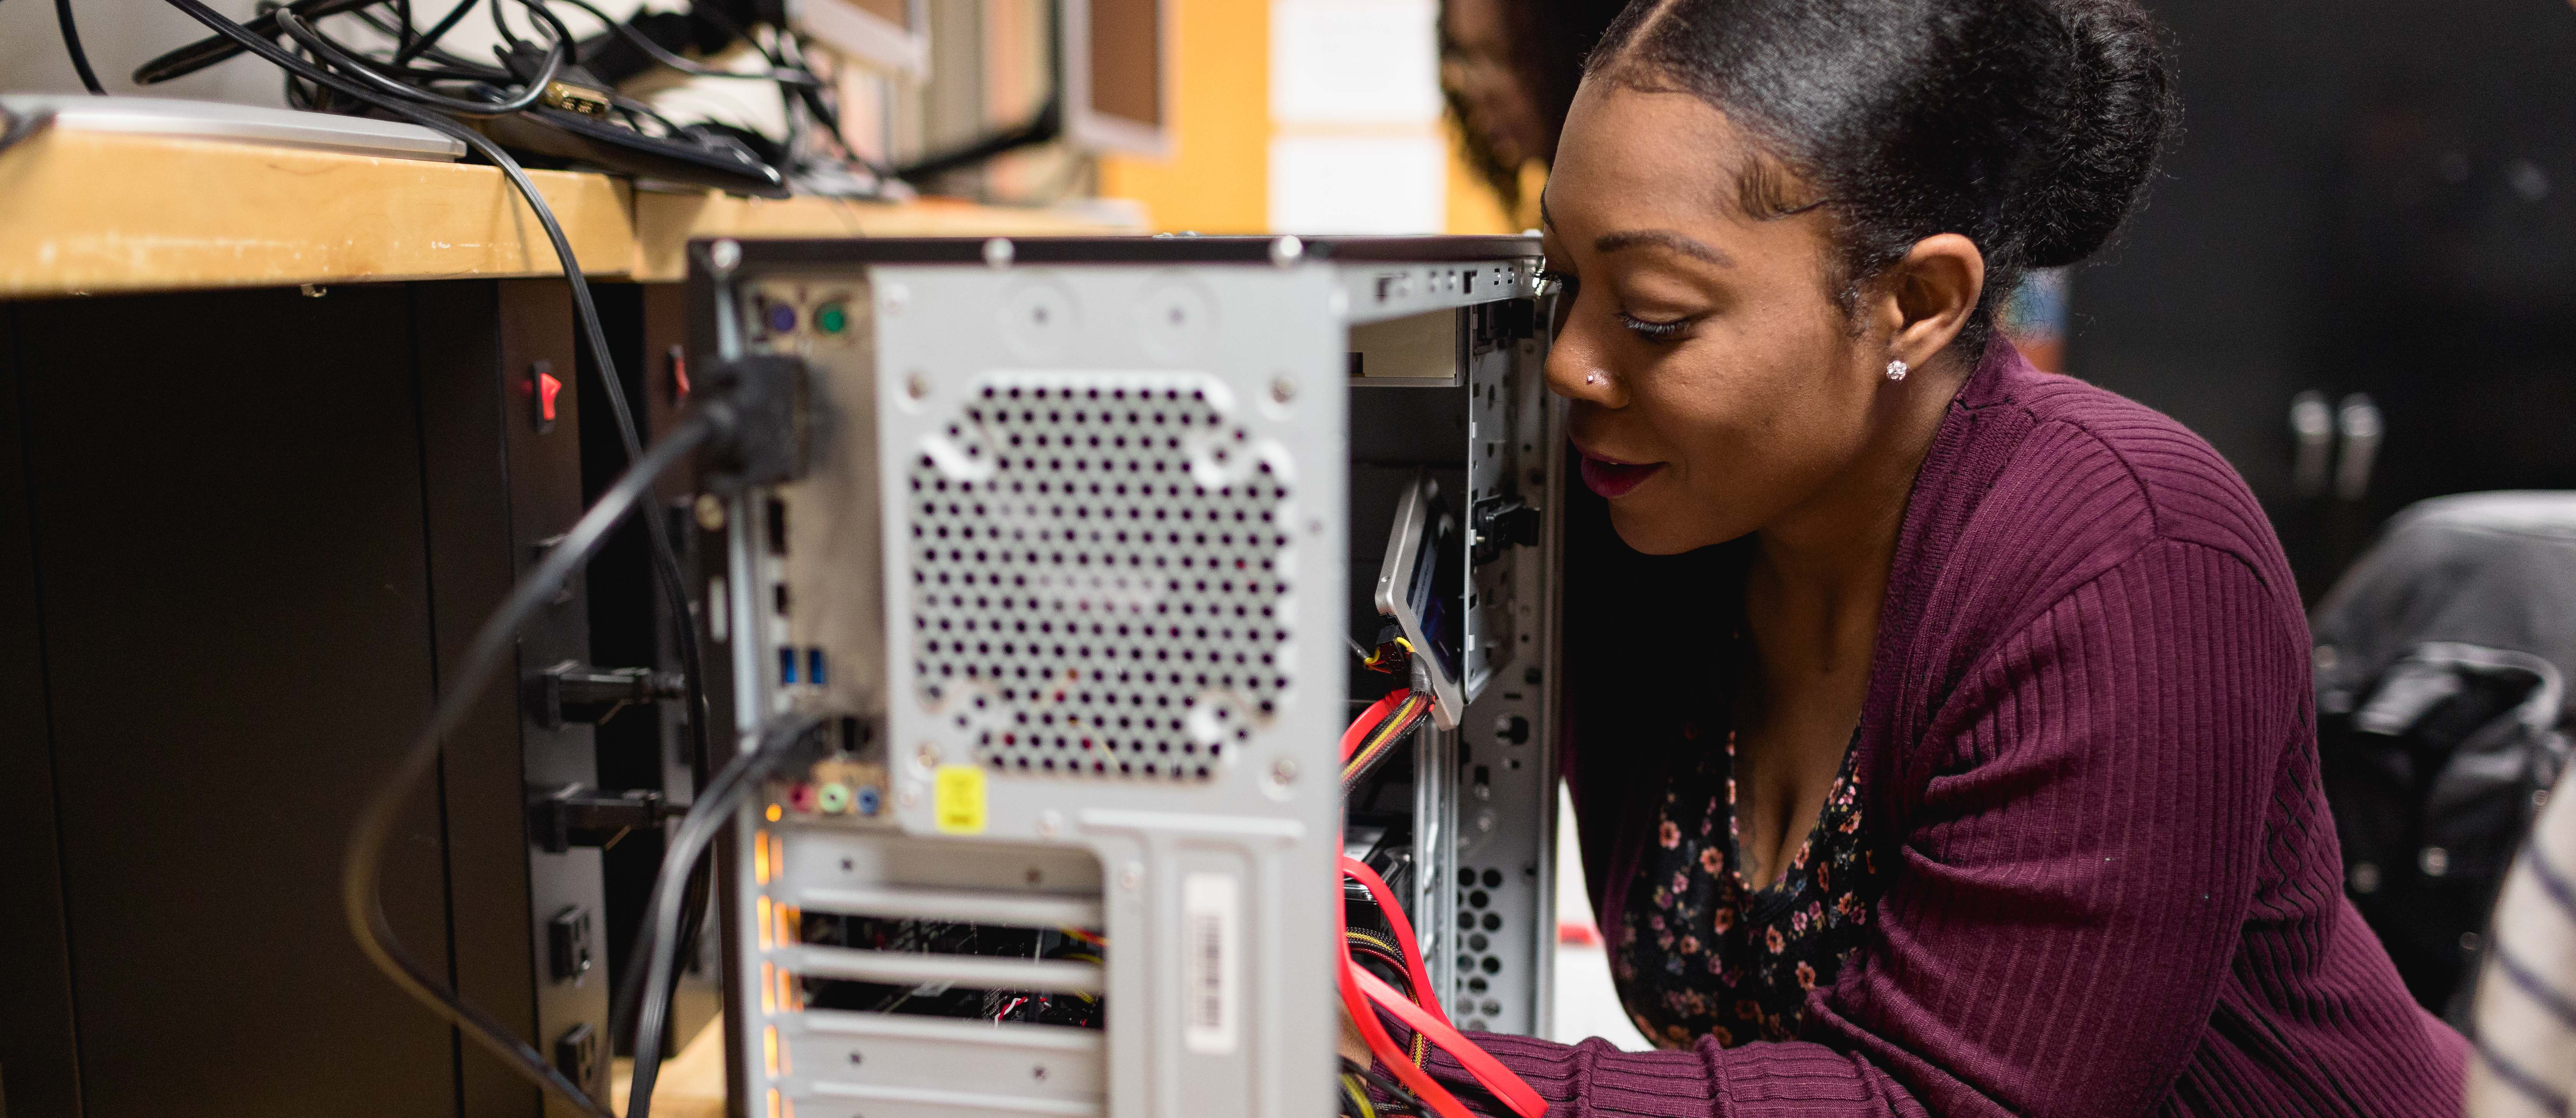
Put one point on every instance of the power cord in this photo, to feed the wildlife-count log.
(665, 559)
(558, 53)
(658, 53)
(712, 809)
(485, 657)
(72, 46)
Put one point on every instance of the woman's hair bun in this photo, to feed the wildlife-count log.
(2029, 126)
(2118, 107)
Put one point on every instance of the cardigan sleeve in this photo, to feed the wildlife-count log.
(2078, 837)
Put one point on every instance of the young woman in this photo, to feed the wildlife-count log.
(1940, 729)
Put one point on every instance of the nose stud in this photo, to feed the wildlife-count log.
(1591, 378)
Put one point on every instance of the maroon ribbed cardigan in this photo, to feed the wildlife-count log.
(2089, 750)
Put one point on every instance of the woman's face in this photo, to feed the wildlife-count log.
(1479, 61)
(1716, 383)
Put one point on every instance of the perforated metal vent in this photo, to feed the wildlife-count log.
(1480, 925)
(1098, 571)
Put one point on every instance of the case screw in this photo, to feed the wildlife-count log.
(998, 252)
(929, 755)
(711, 513)
(1283, 389)
(1130, 876)
(1286, 251)
(725, 256)
(916, 386)
(1284, 770)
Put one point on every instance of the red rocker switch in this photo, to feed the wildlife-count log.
(541, 388)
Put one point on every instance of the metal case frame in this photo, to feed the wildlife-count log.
(1211, 878)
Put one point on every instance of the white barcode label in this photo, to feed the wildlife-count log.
(1211, 949)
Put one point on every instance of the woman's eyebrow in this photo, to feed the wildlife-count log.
(1613, 242)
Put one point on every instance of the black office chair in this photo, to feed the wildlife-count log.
(2442, 665)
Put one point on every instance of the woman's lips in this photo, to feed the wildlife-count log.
(1614, 479)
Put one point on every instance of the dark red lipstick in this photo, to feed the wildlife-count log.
(1613, 479)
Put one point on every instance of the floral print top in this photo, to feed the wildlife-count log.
(1701, 952)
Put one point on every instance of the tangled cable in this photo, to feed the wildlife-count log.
(1364, 744)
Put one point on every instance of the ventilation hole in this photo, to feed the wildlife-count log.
(1067, 561)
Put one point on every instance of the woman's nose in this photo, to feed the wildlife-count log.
(1575, 369)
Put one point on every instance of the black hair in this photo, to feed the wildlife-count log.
(1549, 40)
(2028, 126)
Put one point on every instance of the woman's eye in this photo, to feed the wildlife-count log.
(1651, 330)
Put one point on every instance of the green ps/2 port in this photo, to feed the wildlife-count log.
(831, 318)
(834, 798)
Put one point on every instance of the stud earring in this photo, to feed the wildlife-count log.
(1896, 370)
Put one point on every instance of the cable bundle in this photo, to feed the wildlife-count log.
(1384, 723)
(1364, 744)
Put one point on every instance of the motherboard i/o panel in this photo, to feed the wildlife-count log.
(1076, 591)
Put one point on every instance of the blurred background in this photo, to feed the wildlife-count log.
(2353, 277)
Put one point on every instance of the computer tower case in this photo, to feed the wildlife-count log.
(1079, 575)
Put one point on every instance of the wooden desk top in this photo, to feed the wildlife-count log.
(95, 213)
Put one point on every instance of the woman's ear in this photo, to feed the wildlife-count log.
(1926, 298)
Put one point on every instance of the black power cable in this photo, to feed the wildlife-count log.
(666, 562)
(428, 39)
(366, 916)
(72, 46)
(664, 55)
(713, 808)
(485, 657)
(628, 1000)
(346, 62)
(1043, 128)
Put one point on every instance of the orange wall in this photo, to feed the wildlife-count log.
(1472, 205)
(1218, 178)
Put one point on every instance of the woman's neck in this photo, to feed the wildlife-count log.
(1819, 572)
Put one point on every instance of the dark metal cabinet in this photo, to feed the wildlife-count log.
(242, 534)
(643, 747)
(2371, 207)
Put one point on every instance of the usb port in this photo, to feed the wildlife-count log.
(786, 667)
(814, 666)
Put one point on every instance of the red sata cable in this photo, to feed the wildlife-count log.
(1361, 990)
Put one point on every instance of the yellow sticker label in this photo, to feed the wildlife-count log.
(958, 797)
